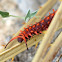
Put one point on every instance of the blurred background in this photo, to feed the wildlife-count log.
(9, 26)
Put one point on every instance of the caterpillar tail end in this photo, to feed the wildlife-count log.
(11, 40)
(12, 59)
(6, 46)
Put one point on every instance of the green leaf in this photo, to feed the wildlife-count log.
(33, 14)
(4, 14)
(28, 15)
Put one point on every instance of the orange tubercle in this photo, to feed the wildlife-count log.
(49, 13)
(53, 10)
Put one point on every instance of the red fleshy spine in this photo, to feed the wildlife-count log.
(34, 29)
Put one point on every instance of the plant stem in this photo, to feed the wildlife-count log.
(17, 16)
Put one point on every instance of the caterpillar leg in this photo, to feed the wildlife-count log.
(12, 59)
(36, 45)
(44, 32)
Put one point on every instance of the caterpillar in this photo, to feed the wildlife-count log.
(34, 29)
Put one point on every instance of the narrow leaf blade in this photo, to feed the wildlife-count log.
(28, 15)
(33, 14)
